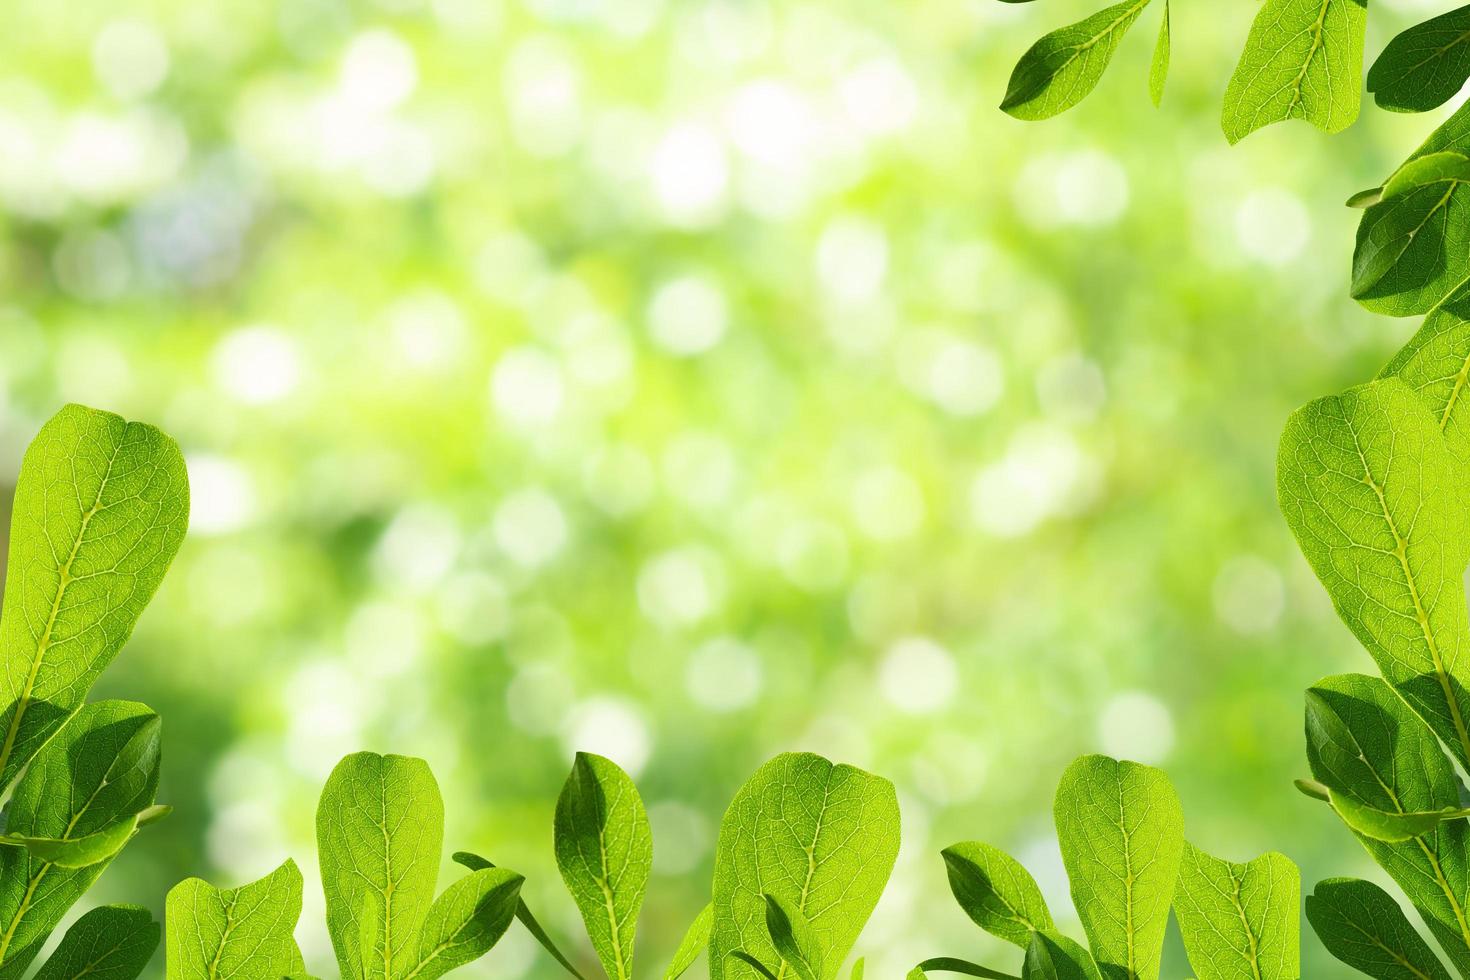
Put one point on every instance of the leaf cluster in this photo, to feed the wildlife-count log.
(101, 506)
(1375, 485)
(1121, 831)
(805, 850)
(1303, 59)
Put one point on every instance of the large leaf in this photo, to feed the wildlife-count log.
(1052, 956)
(100, 769)
(1378, 505)
(100, 510)
(1425, 66)
(379, 829)
(234, 932)
(1436, 258)
(821, 836)
(996, 891)
(113, 942)
(1363, 926)
(1240, 921)
(1121, 831)
(465, 922)
(1364, 743)
(1435, 363)
(604, 849)
(1302, 60)
(1058, 71)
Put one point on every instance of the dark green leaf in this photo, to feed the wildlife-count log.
(996, 892)
(1425, 66)
(1064, 66)
(1363, 926)
(113, 942)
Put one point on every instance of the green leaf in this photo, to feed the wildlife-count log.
(792, 936)
(1399, 234)
(949, 964)
(1052, 956)
(1435, 363)
(234, 932)
(465, 922)
(112, 942)
(100, 509)
(1378, 505)
(697, 939)
(857, 969)
(820, 836)
(1121, 831)
(379, 828)
(523, 913)
(1444, 167)
(1158, 69)
(1363, 926)
(604, 850)
(1364, 742)
(77, 852)
(1436, 258)
(1366, 198)
(1425, 66)
(1302, 60)
(1064, 66)
(996, 892)
(1240, 921)
(1391, 825)
(99, 769)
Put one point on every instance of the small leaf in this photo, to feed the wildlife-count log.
(791, 934)
(465, 922)
(696, 939)
(949, 964)
(1158, 69)
(1445, 167)
(112, 942)
(1240, 921)
(77, 852)
(822, 837)
(996, 892)
(523, 913)
(1064, 66)
(1052, 956)
(1314, 789)
(1425, 66)
(857, 970)
(235, 932)
(379, 829)
(1121, 831)
(1389, 825)
(1366, 198)
(1363, 926)
(604, 850)
(1302, 60)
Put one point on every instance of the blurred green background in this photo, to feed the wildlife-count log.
(688, 381)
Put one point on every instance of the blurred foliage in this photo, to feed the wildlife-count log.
(689, 380)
